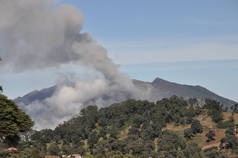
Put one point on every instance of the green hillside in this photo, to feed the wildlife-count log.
(170, 128)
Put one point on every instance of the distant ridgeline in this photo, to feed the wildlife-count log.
(159, 89)
(38, 104)
(169, 128)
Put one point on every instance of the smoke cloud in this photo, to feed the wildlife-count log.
(35, 34)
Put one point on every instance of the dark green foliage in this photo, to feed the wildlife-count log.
(132, 128)
(31, 153)
(43, 136)
(192, 150)
(230, 141)
(230, 131)
(150, 131)
(188, 133)
(12, 140)
(192, 101)
(12, 121)
(171, 142)
(147, 119)
(26, 153)
(196, 127)
(93, 138)
(134, 132)
(7, 154)
(225, 124)
(138, 120)
(172, 145)
(66, 149)
(53, 149)
(235, 108)
(214, 153)
(138, 147)
(210, 135)
(214, 110)
(99, 132)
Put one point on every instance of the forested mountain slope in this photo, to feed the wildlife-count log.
(140, 129)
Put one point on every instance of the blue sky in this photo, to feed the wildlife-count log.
(185, 41)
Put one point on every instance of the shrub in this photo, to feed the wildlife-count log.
(225, 124)
(196, 127)
(188, 133)
(210, 135)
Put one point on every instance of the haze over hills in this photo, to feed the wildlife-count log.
(51, 106)
(159, 89)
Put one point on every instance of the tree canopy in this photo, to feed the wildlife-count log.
(130, 129)
(12, 120)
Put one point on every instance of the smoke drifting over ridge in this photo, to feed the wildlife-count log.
(36, 35)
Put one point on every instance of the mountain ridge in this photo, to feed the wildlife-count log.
(160, 89)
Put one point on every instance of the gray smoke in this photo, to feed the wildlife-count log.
(35, 34)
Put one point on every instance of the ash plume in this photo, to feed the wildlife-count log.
(35, 34)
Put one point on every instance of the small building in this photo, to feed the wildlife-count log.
(76, 156)
(49, 156)
(11, 149)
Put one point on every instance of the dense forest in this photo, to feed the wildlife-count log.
(130, 129)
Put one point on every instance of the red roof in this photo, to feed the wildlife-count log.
(12, 149)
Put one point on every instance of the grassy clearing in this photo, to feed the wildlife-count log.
(124, 133)
(228, 115)
(207, 124)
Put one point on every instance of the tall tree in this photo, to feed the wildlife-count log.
(12, 121)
